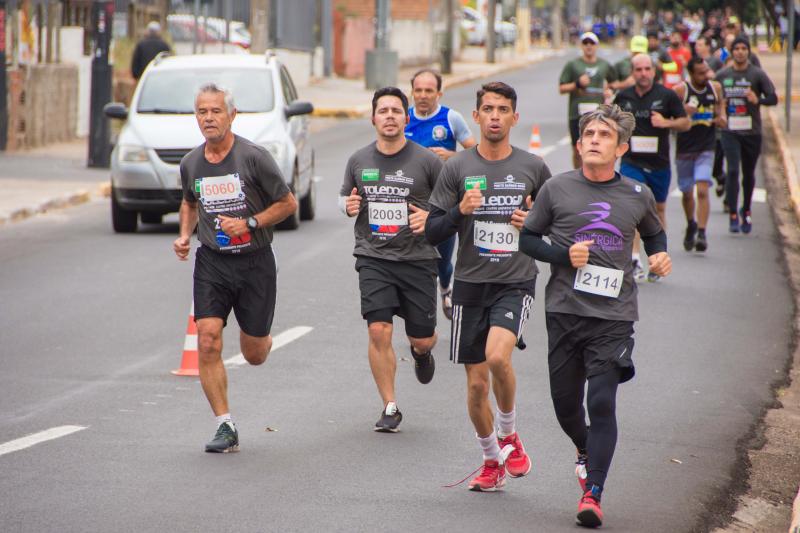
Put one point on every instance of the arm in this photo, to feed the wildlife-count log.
(767, 96)
(275, 213)
(532, 244)
(657, 256)
(720, 113)
(441, 225)
(188, 217)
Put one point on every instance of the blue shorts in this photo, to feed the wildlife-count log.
(658, 180)
(693, 168)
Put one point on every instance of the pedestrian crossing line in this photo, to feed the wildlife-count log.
(759, 195)
(278, 341)
(37, 438)
(564, 141)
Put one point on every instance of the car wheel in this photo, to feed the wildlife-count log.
(308, 204)
(123, 220)
(148, 217)
(293, 220)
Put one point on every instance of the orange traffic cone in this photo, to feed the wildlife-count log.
(535, 145)
(189, 364)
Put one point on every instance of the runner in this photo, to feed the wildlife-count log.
(591, 216)
(680, 55)
(234, 190)
(702, 100)
(482, 194)
(662, 61)
(437, 127)
(585, 78)
(624, 68)
(396, 265)
(745, 88)
(656, 110)
(703, 49)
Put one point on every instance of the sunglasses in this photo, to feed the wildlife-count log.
(588, 41)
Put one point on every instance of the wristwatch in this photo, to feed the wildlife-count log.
(252, 223)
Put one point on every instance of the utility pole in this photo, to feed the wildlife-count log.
(99, 145)
(196, 25)
(491, 37)
(447, 45)
(259, 21)
(789, 54)
(380, 69)
(3, 89)
(555, 24)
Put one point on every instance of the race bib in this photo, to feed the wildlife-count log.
(644, 145)
(598, 280)
(741, 123)
(388, 213)
(496, 236)
(587, 107)
(221, 188)
(672, 79)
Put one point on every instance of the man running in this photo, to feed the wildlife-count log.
(386, 187)
(657, 110)
(482, 194)
(438, 128)
(745, 88)
(585, 79)
(680, 55)
(624, 68)
(591, 216)
(234, 190)
(702, 100)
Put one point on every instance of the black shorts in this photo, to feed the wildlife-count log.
(245, 283)
(588, 345)
(505, 306)
(574, 130)
(403, 288)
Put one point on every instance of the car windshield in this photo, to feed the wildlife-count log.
(173, 91)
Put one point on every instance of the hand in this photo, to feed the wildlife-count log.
(443, 153)
(416, 220)
(658, 120)
(471, 200)
(353, 203)
(579, 253)
(751, 96)
(233, 227)
(721, 121)
(181, 246)
(608, 95)
(584, 81)
(690, 109)
(660, 264)
(518, 216)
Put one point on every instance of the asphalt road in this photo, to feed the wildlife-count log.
(91, 323)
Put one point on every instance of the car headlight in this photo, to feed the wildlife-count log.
(132, 154)
(277, 150)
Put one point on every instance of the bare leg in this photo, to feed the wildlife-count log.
(382, 359)
(255, 349)
(499, 346)
(702, 204)
(213, 377)
(480, 411)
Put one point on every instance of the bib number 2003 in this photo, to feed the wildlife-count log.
(598, 280)
(388, 214)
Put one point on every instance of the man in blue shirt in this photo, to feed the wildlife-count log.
(438, 128)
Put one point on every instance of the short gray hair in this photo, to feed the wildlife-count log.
(212, 87)
(611, 115)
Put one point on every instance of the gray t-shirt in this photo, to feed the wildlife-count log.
(488, 246)
(569, 209)
(744, 117)
(387, 185)
(243, 184)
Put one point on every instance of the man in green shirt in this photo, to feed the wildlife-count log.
(586, 80)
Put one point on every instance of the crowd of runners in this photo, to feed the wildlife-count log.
(412, 194)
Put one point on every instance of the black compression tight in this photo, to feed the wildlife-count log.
(743, 149)
(600, 438)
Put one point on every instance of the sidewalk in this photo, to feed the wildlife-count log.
(39, 180)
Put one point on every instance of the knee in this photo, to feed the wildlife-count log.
(209, 344)
(256, 355)
(600, 406)
(566, 408)
(499, 363)
(423, 345)
(478, 390)
(380, 333)
(702, 193)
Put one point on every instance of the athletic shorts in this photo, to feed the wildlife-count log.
(693, 168)
(574, 130)
(506, 306)
(245, 283)
(588, 344)
(403, 288)
(658, 179)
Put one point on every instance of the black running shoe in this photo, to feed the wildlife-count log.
(689, 236)
(424, 366)
(720, 189)
(388, 422)
(701, 243)
(747, 220)
(226, 439)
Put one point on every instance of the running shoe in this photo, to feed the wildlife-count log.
(701, 243)
(517, 463)
(589, 512)
(447, 302)
(580, 470)
(720, 189)
(652, 278)
(389, 420)
(491, 477)
(424, 366)
(747, 221)
(689, 236)
(225, 440)
(638, 271)
(733, 223)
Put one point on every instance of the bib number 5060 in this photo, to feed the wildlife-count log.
(496, 236)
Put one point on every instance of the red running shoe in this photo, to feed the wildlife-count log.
(491, 478)
(517, 462)
(589, 512)
(580, 471)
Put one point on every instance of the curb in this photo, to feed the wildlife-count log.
(59, 202)
(789, 165)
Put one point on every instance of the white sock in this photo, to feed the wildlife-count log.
(635, 257)
(391, 408)
(506, 423)
(221, 419)
(491, 450)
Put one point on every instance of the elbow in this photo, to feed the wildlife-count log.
(291, 204)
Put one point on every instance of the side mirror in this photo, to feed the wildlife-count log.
(299, 108)
(116, 110)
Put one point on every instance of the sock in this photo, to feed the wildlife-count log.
(505, 423)
(221, 419)
(491, 450)
(701, 232)
(391, 408)
(635, 257)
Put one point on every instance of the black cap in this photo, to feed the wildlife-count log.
(740, 40)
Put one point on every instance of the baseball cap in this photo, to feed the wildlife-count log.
(639, 44)
(590, 36)
(153, 26)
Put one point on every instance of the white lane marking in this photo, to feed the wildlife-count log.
(564, 141)
(280, 340)
(759, 194)
(37, 438)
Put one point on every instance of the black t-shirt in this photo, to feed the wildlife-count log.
(649, 146)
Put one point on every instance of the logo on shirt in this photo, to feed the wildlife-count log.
(591, 71)
(370, 174)
(604, 234)
(439, 133)
(508, 184)
(470, 181)
(656, 104)
(398, 177)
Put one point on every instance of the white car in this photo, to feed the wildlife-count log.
(161, 128)
(476, 26)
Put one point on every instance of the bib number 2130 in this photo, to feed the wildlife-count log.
(496, 236)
